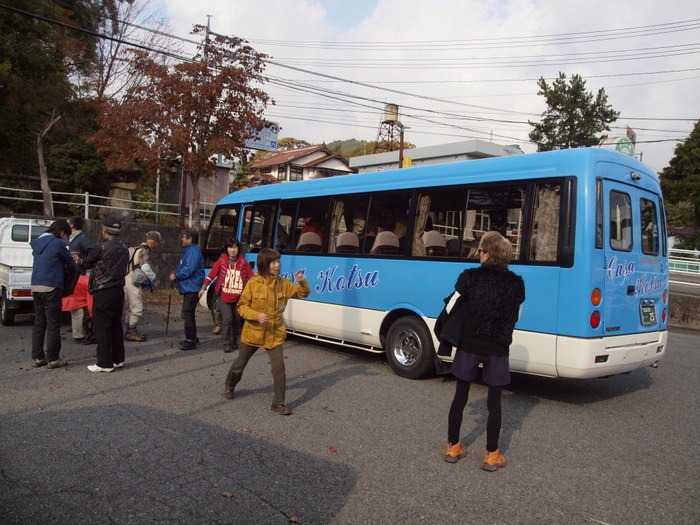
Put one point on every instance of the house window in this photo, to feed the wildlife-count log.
(296, 173)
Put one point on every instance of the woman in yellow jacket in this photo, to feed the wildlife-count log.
(262, 304)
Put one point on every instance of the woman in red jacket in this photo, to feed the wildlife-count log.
(230, 274)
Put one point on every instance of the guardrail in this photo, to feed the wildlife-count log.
(684, 261)
(90, 203)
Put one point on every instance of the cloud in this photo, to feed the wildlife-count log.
(465, 69)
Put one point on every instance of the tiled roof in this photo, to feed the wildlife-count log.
(286, 157)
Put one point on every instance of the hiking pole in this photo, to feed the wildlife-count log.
(170, 300)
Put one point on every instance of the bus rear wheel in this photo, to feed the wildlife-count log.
(409, 348)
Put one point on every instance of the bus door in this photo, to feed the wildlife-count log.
(636, 269)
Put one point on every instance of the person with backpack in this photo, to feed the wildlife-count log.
(140, 275)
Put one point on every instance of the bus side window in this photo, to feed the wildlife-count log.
(620, 221)
(650, 227)
(544, 238)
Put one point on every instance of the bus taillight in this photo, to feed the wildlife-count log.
(596, 296)
(595, 319)
(665, 296)
(663, 315)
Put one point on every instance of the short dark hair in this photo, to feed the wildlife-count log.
(59, 227)
(230, 243)
(265, 258)
(192, 234)
(77, 222)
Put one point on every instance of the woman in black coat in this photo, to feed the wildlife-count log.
(488, 306)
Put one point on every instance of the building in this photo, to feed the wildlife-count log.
(313, 162)
(458, 151)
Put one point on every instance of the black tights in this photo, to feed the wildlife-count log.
(493, 423)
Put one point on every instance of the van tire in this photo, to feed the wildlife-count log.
(7, 316)
(409, 348)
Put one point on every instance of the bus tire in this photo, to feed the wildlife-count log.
(409, 348)
(7, 316)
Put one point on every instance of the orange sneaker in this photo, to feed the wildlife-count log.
(453, 453)
(493, 460)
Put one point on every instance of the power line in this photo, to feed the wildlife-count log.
(376, 105)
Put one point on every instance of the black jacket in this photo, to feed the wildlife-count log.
(109, 262)
(488, 309)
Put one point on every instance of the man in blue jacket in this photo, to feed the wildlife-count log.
(190, 276)
(51, 259)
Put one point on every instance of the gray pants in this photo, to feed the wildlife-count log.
(230, 324)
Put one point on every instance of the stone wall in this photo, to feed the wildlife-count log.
(684, 311)
(165, 258)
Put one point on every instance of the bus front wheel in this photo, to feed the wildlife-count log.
(409, 348)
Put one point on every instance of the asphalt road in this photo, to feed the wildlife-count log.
(156, 443)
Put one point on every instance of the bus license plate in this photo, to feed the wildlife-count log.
(648, 313)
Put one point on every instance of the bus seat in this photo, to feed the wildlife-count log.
(434, 243)
(453, 248)
(386, 243)
(347, 242)
(309, 242)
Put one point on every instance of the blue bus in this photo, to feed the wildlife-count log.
(381, 250)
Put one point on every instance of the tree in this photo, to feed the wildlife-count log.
(40, 56)
(680, 180)
(290, 143)
(109, 76)
(191, 111)
(574, 117)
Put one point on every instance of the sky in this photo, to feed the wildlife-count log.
(463, 69)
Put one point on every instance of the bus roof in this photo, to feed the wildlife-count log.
(544, 164)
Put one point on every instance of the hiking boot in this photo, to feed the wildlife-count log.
(493, 460)
(133, 335)
(97, 368)
(81, 341)
(453, 453)
(227, 349)
(36, 363)
(58, 363)
(188, 345)
(228, 392)
(280, 409)
(216, 330)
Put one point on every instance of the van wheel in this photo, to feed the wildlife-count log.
(7, 316)
(409, 348)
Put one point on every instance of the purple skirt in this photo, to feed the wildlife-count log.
(495, 372)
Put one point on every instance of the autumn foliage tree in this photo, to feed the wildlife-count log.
(191, 111)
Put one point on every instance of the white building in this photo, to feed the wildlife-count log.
(458, 151)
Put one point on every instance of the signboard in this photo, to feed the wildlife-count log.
(621, 144)
(266, 138)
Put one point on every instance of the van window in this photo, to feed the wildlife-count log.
(20, 232)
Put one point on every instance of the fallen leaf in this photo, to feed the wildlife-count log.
(227, 494)
(293, 519)
(332, 449)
